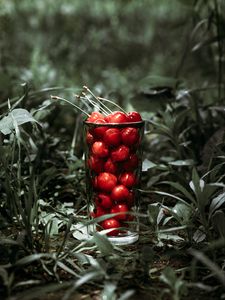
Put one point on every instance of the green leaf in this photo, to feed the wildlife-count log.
(161, 129)
(153, 212)
(194, 184)
(100, 219)
(176, 284)
(87, 277)
(216, 203)
(103, 244)
(218, 220)
(182, 163)
(204, 287)
(18, 115)
(205, 42)
(31, 258)
(168, 276)
(53, 225)
(169, 237)
(66, 268)
(199, 236)
(180, 188)
(126, 295)
(147, 164)
(9, 241)
(4, 276)
(109, 291)
(80, 232)
(163, 235)
(183, 213)
(202, 191)
(27, 283)
(204, 197)
(169, 195)
(157, 80)
(172, 229)
(22, 116)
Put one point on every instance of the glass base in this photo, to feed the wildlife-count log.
(129, 238)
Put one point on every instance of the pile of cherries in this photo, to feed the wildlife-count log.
(112, 163)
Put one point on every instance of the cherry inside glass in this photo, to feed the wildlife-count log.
(113, 162)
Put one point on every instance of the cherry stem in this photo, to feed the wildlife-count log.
(67, 101)
(83, 101)
(97, 99)
(112, 102)
(100, 106)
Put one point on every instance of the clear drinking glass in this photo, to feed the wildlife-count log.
(113, 162)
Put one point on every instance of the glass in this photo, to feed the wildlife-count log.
(113, 162)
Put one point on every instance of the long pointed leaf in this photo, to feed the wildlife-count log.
(31, 258)
(167, 194)
(103, 243)
(180, 188)
(216, 203)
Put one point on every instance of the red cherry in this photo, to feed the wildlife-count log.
(104, 201)
(131, 163)
(128, 179)
(117, 117)
(119, 193)
(112, 137)
(110, 166)
(134, 116)
(106, 181)
(120, 208)
(130, 218)
(98, 132)
(98, 212)
(100, 149)
(109, 224)
(130, 136)
(130, 199)
(89, 138)
(94, 182)
(120, 154)
(94, 116)
(96, 164)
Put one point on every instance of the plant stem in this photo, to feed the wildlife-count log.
(75, 134)
(67, 101)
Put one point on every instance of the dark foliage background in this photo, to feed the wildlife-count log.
(119, 46)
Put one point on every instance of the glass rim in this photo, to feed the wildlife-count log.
(126, 124)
